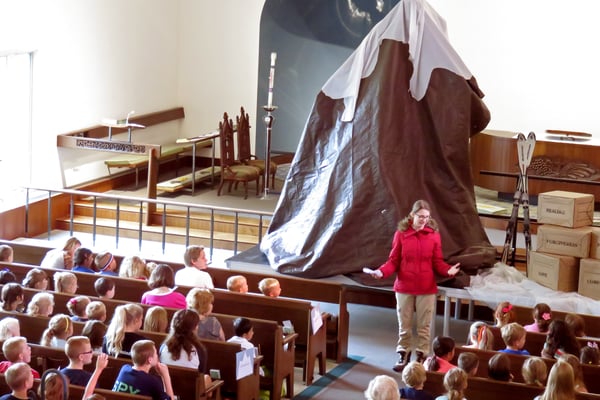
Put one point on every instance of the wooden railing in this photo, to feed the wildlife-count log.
(144, 204)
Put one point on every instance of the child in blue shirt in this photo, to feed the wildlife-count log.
(514, 336)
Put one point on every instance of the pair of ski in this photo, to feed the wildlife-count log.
(525, 146)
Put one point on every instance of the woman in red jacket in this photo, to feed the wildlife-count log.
(416, 252)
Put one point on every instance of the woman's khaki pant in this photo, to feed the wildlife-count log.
(406, 305)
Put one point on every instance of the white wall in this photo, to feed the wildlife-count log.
(536, 61)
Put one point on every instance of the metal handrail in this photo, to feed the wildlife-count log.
(73, 194)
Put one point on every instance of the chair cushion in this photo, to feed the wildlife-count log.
(241, 172)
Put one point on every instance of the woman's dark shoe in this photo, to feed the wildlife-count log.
(403, 359)
(420, 357)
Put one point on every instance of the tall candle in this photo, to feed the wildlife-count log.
(271, 79)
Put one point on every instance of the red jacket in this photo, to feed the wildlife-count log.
(413, 257)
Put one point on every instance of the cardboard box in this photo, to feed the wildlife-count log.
(595, 243)
(554, 271)
(564, 241)
(589, 278)
(569, 209)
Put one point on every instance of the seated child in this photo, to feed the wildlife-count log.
(105, 288)
(65, 282)
(590, 354)
(576, 323)
(414, 378)
(106, 263)
(468, 362)
(577, 372)
(95, 331)
(243, 329)
(9, 327)
(60, 328)
(455, 382)
(96, 310)
(504, 314)
(79, 351)
(514, 336)
(535, 371)
(20, 380)
(480, 336)
(41, 305)
(542, 316)
(499, 368)
(16, 350)
(382, 387)
(54, 386)
(270, 287)
(156, 320)
(76, 306)
(36, 279)
(443, 350)
(237, 283)
(6, 254)
(137, 379)
(12, 297)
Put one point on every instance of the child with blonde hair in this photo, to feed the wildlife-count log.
(134, 267)
(79, 351)
(414, 377)
(542, 316)
(65, 282)
(270, 287)
(577, 372)
(96, 310)
(16, 350)
(122, 330)
(60, 328)
(9, 327)
(237, 283)
(201, 300)
(514, 336)
(41, 305)
(382, 387)
(535, 371)
(504, 314)
(561, 383)
(76, 306)
(6, 253)
(156, 320)
(20, 380)
(106, 263)
(480, 337)
(455, 382)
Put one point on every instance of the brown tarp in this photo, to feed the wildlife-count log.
(351, 182)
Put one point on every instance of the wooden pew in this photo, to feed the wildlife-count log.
(221, 356)
(76, 392)
(524, 316)
(488, 389)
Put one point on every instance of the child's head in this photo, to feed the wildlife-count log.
(9, 327)
(194, 257)
(19, 377)
(16, 349)
(59, 326)
(481, 336)
(237, 283)
(55, 385)
(382, 387)
(542, 315)
(105, 287)
(11, 296)
(7, 276)
(41, 304)
(6, 253)
(514, 335)
(200, 300)
(156, 320)
(576, 323)
(560, 336)
(95, 331)
(143, 352)
(162, 276)
(96, 310)
(77, 305)
(534, 371)
(576, 365)
(414, 375)
(270, 287)
(590, 354)
(79, 349)
(561, 381)
(499, 368)
(105, 261)
(65, 282)
(504, 314)
(134, 267)
(36, 279)
(443, 347)
(468, 362)
(184, 322)
(242, 327)
(84, 257)
(455, 382)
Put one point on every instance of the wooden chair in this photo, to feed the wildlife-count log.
(243, 147)
(230, 171)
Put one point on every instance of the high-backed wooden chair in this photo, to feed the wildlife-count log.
(231, 171)
(243, 145)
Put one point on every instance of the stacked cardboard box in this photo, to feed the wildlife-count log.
(563, 240)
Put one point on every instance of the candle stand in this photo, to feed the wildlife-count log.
(268, 119)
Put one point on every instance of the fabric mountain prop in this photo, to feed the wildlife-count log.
(391, 126)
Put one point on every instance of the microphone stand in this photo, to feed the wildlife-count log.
(268, 119)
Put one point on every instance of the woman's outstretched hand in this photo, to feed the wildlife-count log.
(375, 273)
(454, 269)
